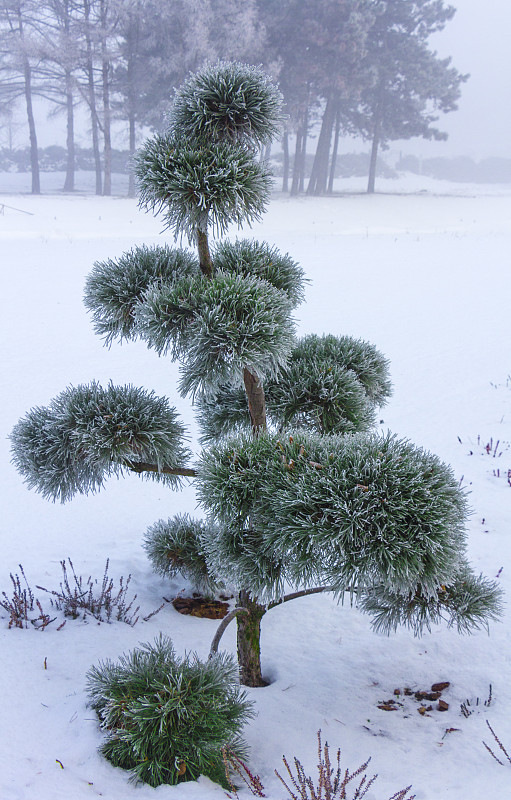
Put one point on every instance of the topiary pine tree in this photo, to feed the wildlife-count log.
(298, 493)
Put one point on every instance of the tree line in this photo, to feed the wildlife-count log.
(345, 67)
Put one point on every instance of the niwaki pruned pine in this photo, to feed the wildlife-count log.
(299, 494)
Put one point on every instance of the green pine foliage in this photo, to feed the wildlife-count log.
(469, 602)
(200, 186)
(249, 257)
(320, 397)
(352, 512)
(222, 413)
(346, 352)
(116, 287)
(177, 545)
(328, 384)
(88, 433)
(228, 101)
(218, 326)
(167, 719)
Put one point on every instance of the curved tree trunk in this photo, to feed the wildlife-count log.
(249, 623)
(27, 79)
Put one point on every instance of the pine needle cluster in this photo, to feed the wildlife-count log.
(116, 287)
(176, 545)
(167, 719)
(228, 101)
(200, 185)
(88, 433)
(328, 384)
(364, 513)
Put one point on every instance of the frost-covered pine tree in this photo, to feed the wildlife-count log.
(298, 494)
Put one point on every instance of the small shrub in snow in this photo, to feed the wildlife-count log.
(81, 598)
(167, 720)
(23, 603)
(332, 782)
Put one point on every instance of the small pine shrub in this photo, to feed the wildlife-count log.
(167, 720)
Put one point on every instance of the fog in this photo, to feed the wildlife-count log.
(478, 39)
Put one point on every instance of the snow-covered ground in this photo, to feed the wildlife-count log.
(420, 269)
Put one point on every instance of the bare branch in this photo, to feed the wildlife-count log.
(142, 466)
(223, 625)
(302, 593)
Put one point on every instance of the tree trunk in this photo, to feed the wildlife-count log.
(249, 641)
(107, 113)
(303, 152)
(295, 182)
(92, 99)
(107, 140)
(205, 261)
(319, 174)
(377, 124)
(69, 183)
(334, 151)
(256, 400)
(132, 147)
(285, 162)
(34, 157)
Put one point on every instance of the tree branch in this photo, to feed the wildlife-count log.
(302, 593)
(142, 466)
(223, 625)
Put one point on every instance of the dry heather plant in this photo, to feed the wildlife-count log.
(501, 747)
(330, 784)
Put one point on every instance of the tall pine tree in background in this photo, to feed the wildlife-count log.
(409, 83)
(299, 495)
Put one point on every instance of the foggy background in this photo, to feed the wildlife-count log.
(478, 39)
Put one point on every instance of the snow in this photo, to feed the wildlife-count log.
(419, 269)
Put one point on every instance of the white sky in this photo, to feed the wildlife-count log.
(479, 41)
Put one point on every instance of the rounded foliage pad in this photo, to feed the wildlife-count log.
(88, 433)
(350, 511)
(115, 287)
(200, 186)
(348, 353)
(176, 545)
(248, 257)
(218, 326)
(320, 396)
(228, 100)
(166, 719)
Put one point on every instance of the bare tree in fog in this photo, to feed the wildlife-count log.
(20, 60)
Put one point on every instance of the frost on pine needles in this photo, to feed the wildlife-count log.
(304, 497)
(167, 719)
(228, 101)
(88, 433)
